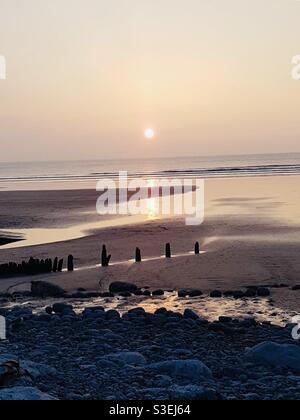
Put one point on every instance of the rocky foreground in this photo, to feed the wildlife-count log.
(100, 355)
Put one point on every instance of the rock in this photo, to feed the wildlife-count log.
(225, 319)
(138, 292)
(49, 310)
(193, 370)
(37, 370)
(189, 314)
(61, 307)
(163, 381)
(182, 293)
(20, 393)
(129, 358)
(238, 294)
(276, 355)
(9, 368)
(195, 293)
(158, 293)
(251, 293)
(44, 289)
(228, 293)
(216, 294)
(263, 292)
(161, 311)
(120, 287)
(192, 393)
(112, 314)
(136, 312)
(219, 328)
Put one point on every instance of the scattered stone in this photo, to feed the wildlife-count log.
(192, 393)
(263, 292)
(195, 293)
(193, 370)
(120, 287)
(37, 370)
(238, 294)
(216, 294)
(61, 307)
(182, 293)
(129, 358)
(20, 393)
(161, 311)
(251, 293)
(9, 369)
(225, 319)
(44, 289)
(276, 355)
(158, 293)
(188, 313)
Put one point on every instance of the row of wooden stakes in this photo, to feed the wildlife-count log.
(36, 266)
(105, 258)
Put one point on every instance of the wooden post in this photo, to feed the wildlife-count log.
(105, 259)
(168, 251)
(138, 255)
(60, 265)
(55, 265)
(70, 263)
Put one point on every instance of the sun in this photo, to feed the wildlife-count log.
(149, 133)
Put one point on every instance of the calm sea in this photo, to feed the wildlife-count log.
(84, 174)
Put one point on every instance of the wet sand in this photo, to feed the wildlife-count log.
(250, 236)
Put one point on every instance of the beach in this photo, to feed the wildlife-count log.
(218, 325)
(249, 237)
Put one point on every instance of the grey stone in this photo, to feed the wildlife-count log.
(193, 370)
(276, 355)
(20, 393)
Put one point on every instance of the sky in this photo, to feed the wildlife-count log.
(85, 78)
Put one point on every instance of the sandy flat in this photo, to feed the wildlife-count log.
(250, 236)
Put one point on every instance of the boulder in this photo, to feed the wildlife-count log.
(193, 370)
(276, 355)
(121, 287)
(43, 289)
(21, 393)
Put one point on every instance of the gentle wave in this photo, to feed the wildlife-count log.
(217, 172)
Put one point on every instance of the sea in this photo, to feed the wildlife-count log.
(85, 174)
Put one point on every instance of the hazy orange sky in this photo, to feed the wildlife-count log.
(85, 78)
